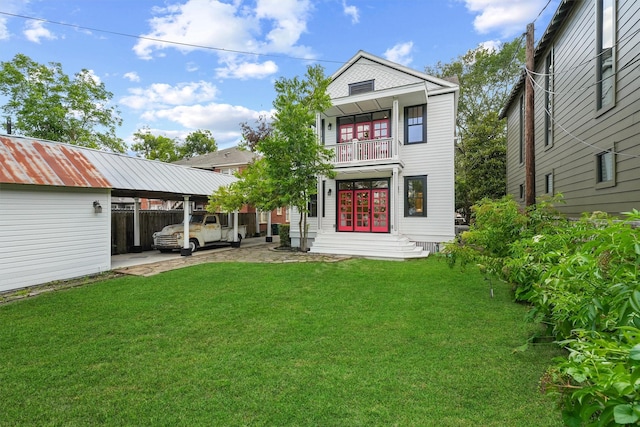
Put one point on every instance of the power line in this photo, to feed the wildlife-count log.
(157, 40)
(542, 11)
(581, 141)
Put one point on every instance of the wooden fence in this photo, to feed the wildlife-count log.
(152, 221)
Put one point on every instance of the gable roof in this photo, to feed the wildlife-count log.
(233, 156)
(410, 71)
(557, 21)
(22, 162)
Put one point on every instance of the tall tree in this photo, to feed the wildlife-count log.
(155, 147)
(294, 158)
(197, 143)
(486, 77)
(46, 103)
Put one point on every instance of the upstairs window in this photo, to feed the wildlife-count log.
(548, 99)
(364, 127)
(521, 145)
(605, 50)
(361, 87)
(415, 124)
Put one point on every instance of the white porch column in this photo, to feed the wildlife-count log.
(395, 202)
(395, 113)
(257, 222)
(319, 205)
(186, 249)
(235, 228)
(136, 226)
(269, 236)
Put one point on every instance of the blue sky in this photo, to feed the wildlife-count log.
(207, 81)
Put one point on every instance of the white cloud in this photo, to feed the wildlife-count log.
(491, 45)
(35, 31)
(274, 26)
(132, 76)
(161, 95)
(4, 31)
(400, 53)
(191, 67)
(351, 11)
(246, 70)
(510, 17)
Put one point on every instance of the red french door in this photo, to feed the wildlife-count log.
(380, 208)
(364, 210)
(345, 211)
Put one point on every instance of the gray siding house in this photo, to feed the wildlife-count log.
(587, 109)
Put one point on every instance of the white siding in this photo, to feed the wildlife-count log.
(435, 160)
(49, 234)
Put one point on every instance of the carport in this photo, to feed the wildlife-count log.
(140, 178)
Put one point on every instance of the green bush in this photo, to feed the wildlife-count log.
(285, 238)
(581, 279)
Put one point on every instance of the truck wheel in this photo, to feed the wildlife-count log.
(193, 245)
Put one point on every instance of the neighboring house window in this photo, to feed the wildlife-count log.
(548, 98)
(415, 124)
(264, 217)
(521, 191)
(361, 87)
(548, 183)
(415, 196)
(313, 206)
(521, 145)
(364, 126)
(229, 171)
(606, 169)
(286, 215)
(278, 211)
(605, 50)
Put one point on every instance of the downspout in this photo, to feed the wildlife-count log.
(136, 226)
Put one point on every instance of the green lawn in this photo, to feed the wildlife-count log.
(355, 343)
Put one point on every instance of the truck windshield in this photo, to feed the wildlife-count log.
(196, 218)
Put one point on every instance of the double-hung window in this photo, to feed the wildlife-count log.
(606, 169)
(415, 124)
(415, 196)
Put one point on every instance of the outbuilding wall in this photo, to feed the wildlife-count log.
(52, 233)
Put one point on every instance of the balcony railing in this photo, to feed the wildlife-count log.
(362, 151)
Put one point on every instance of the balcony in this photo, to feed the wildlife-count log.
(367, 151)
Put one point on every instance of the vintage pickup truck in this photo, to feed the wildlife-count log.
(204, 229)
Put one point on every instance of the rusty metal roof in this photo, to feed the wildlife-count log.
(28, 161)
(33, 161)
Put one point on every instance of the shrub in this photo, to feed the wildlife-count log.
(285, 238)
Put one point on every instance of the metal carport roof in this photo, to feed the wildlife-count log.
(34, 161)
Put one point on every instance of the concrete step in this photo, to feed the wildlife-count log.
(370, 245)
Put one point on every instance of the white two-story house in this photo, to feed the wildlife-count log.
(392, 131)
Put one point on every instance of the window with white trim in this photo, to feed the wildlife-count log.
(606, 53)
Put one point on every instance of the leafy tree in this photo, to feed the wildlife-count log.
(292, 158)
(46, 103)
(165, 149)
(486, 77)
(197, 143)
(155, 147)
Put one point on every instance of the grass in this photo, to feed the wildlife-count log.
(356, 343)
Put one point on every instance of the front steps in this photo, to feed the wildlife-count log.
(369, 245)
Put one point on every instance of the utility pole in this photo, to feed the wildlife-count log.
(529, 119)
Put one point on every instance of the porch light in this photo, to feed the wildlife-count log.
(329, 126)
(97, 208)
(329, 192)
